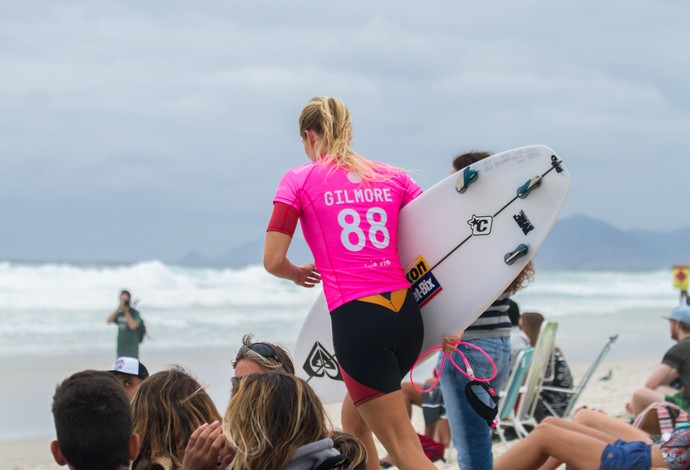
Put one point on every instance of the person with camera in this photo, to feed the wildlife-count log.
(127, 320)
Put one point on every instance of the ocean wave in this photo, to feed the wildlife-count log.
(154, 284)
(61, 308)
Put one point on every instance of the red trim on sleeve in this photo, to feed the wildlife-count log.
(284, 219)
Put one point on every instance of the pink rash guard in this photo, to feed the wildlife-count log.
(351, 227)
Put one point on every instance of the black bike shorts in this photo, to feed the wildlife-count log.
(377, 339)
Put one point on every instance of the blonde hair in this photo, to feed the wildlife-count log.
(330, 119)
(352, 449)
(269, 417)
(166, 409)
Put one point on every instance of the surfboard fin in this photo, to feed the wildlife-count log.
(466, 178)
(518, 252)
(533, 183)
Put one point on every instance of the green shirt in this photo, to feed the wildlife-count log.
(127, 339)
(678, 357)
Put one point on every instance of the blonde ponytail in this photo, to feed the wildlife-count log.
(330, 119)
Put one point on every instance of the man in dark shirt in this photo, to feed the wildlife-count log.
(674, 367)
(127, 320)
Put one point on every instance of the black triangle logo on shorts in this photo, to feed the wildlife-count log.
(321, 363)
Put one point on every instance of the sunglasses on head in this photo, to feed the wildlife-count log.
(262, 349)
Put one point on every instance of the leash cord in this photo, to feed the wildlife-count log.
(469, 374)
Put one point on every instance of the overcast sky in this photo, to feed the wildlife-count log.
(138, 129)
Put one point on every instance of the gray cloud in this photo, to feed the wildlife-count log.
(145, 129)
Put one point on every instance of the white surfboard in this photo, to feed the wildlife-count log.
(463, 242)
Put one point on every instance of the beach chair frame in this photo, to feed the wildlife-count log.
(576, 392)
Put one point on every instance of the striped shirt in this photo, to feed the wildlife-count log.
(493, 323)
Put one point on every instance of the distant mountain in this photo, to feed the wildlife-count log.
(578, 243)
(247, 253)
(194, 258)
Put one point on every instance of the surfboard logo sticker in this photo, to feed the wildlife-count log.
(523, 222)
(321, 363)
(422, 281)
(481, 225)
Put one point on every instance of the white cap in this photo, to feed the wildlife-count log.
(130, 366)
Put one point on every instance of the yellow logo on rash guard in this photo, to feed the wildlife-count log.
(422, 281)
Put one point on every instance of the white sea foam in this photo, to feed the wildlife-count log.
(55, 286)
(61, 308)
(563, 293)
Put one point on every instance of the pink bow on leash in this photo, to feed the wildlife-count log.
(469, 374)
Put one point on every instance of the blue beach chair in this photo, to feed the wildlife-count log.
(530, 388)
(509, 396)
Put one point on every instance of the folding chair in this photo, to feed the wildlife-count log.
(534, 378)
(509, 396)
(577, 391)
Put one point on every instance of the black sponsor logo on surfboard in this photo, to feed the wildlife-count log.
(481, 225)
(524, 223)
(321, 363)
(422, 281)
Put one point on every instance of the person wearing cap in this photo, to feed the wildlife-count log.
(130, 373)
(675, 366)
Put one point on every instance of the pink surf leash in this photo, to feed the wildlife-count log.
(469, 374)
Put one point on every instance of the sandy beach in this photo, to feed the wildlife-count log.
(212, 368)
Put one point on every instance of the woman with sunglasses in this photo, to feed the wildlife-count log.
(259, 358)
(348, 207)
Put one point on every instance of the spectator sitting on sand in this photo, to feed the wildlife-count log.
(675, 365)
(558, 372)
(269, 357)
(259, 358)
(277, 421)
(166, 409)
(93, 423)
(593, 440)
(130, 373)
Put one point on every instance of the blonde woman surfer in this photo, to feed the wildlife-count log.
(348, 207)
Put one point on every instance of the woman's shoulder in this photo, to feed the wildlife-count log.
(299, 169)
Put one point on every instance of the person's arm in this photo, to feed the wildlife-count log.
(112, 316)
(275, 261)
(132, 323)
(662, 375)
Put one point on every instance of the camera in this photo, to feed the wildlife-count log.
(126, 303)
